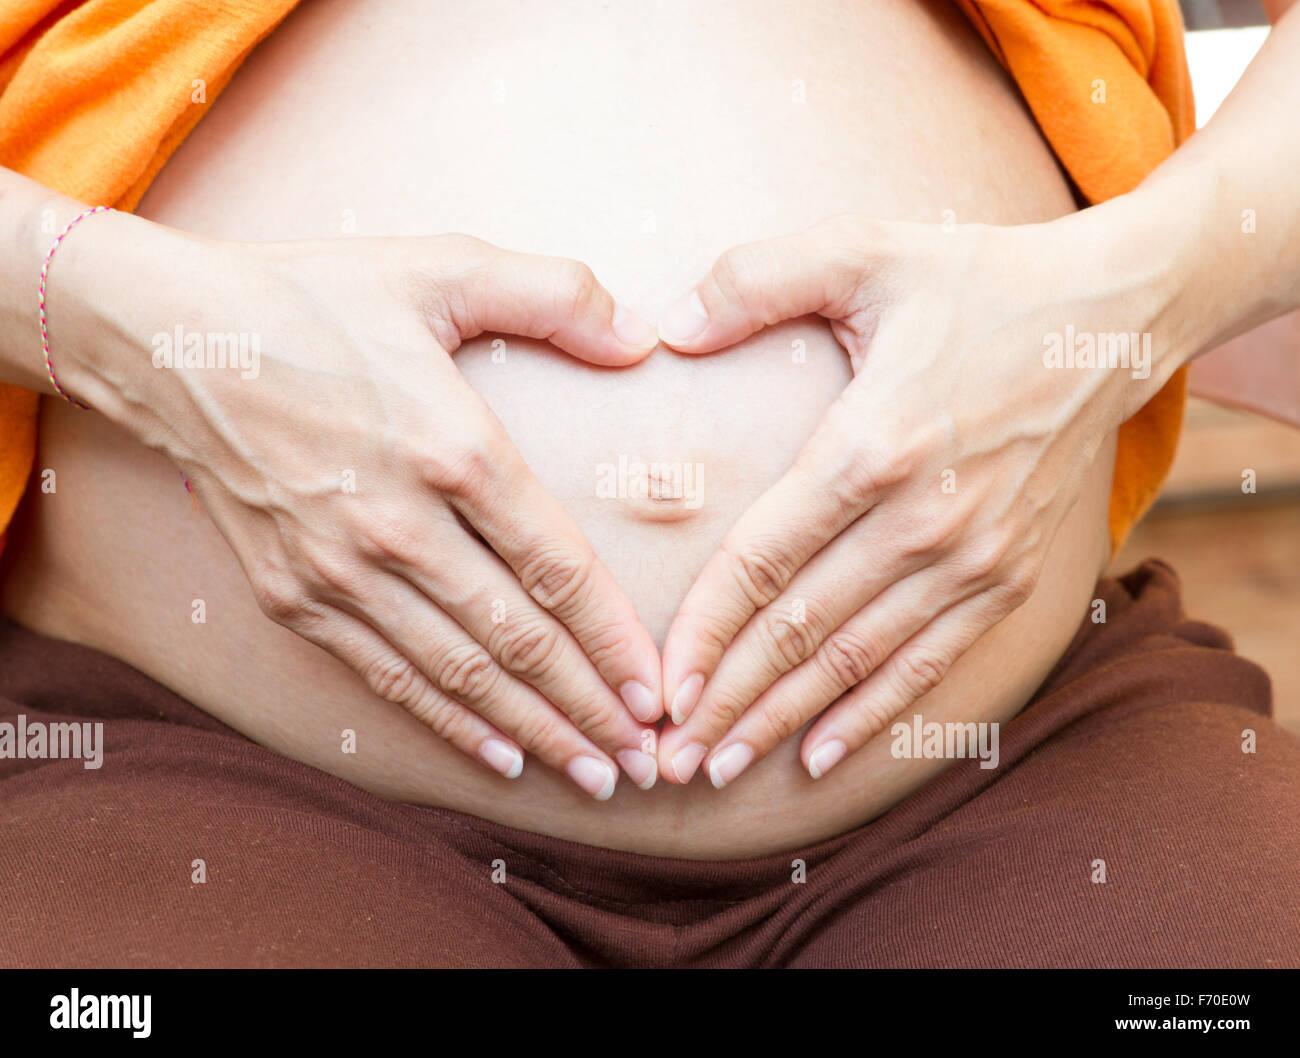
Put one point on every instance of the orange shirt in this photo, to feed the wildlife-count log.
(95, 96)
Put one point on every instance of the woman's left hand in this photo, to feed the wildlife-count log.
(919, 513)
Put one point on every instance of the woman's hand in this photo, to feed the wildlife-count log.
(374, 501)
(919, 513)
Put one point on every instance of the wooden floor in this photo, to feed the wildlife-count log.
(1238, 554)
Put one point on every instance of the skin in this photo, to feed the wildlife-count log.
(943, 347)
(941, 160)
(354, 578)
(117, 556)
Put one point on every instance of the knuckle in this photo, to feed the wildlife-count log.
(461, 469)
(726, 706)
(383, 537)
(541, 733)
(760, 571)
(466, 672)
(442, 290)
(442, 717)
(334, 571)
(529, 650)
(705, 631)
(850, 257)
(605, 642)
(576, 287)
(788, 640)
(734, 266)
(446, 281)
(850, 657)
(595, 719)
(283, 600)
(851, 243)
(919, 672)
(864, 470)
(739, 271)
(1017, 586)
(393, 678)
(861, 480)
(556, 578)
(983, 561)
(872, 717)
(932, 537)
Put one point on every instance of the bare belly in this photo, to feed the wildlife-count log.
(643, 142)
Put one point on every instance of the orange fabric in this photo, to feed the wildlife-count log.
(95, 97)
(1063, 54)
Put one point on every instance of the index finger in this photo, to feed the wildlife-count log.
(541, 543)
(829, 487)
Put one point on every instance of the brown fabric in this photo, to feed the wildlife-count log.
(1130, 753)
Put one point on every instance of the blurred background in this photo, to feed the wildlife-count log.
(1238, 553)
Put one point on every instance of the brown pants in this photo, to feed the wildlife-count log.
(1131, 753)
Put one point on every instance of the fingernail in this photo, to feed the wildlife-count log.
(687, 759)
(825, 757)
(594, 776)
(640, 701)
(729, 763)
(684, 320)
(501, 757)
(687, 697)
(641, 768)
(632, 329)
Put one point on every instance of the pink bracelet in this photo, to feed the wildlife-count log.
(45, 271)
(45, 335)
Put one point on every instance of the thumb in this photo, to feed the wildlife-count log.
(552, 298)
(757, 284)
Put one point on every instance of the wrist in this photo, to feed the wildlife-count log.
(1213, 260)
(102, 299)
(1141, 259)
(31, 216)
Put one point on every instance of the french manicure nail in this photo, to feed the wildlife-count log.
(640, 701)
(825, 757)
(594, 776)
(632, 329)
(684, 320)
(641, 768)
(687, 759)
(728, 763)
(687, 697)
(501, 757)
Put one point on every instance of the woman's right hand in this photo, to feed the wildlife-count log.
(374, 501)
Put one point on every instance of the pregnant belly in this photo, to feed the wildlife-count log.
(644, 142)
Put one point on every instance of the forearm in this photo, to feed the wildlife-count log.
(1237, 182)
(1207, 245)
